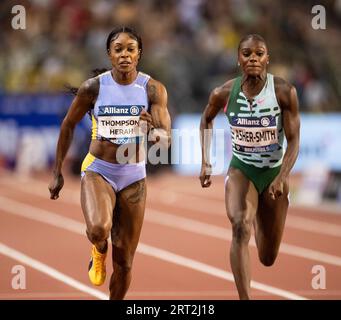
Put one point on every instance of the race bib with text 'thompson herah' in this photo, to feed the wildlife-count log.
(119, 124)
(254, 134)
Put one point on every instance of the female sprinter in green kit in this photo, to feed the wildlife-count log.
(261, 109)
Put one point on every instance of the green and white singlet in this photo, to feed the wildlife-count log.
(257, 133)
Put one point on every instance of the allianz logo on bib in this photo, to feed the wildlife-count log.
(134, 110)
(254, 122)
(119, 110)
(265, 121)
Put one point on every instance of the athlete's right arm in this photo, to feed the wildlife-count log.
(216, 102)
(81, 104)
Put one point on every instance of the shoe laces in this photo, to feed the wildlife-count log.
(98, 260)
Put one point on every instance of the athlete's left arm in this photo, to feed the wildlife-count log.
(287, 98)
(159, 118)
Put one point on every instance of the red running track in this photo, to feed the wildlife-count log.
(183, 251)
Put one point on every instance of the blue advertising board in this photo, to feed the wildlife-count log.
(29, 126)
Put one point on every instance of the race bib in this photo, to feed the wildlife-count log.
(119, 124)
(255, 135)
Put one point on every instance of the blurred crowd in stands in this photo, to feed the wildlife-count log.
(190, 45)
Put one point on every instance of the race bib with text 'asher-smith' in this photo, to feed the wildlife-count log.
(119, 124)
(254, 135)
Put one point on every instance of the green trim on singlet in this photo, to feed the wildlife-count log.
(234, 92)
(260, 177)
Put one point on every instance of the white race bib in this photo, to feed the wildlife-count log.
(255, 134)
(119, 124)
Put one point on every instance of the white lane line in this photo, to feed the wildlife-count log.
(325, 207)
(213, 271)
(45, 216)
(192, 202)
(170, 220)
(216, 207)
(53, 273)
(213, 231)
(314, 226)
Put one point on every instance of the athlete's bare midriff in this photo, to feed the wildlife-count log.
(115, 153)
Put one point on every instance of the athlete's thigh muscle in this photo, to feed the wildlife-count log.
(97, 200)
(129, 213)
(241, 197)
(270, 219)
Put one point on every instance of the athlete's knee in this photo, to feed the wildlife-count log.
(241, 229)
(98, 232)
(267, 259)
(122, 259)
(123, 268)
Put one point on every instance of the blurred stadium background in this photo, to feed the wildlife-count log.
(189, 45)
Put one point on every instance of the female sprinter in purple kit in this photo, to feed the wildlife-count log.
(113, 180)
